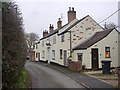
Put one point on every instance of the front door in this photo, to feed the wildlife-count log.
(38, 56)
(95, 59)
(48, 55)
(65, 57)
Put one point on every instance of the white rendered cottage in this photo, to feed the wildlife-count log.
(59, 45)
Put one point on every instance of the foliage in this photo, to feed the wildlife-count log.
(110, 26)
(14, 45)
(24, 81)
(31, 38)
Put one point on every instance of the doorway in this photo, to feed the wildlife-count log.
(38, 56)
(49, 55)
(95, 59)
(65, 58)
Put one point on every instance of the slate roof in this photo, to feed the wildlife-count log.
(92, 40)
(53, 32)
(73, 25)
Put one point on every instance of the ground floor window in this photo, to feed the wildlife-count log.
(107, 52)
(53, 54)
(80, 56)
(36, 54)
(43, 54)
(60, 53)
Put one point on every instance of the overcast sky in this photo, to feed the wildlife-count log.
(38, 14)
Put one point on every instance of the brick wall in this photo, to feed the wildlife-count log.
(75, 65)
(31, 55)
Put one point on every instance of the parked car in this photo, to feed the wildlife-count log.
(27, 58)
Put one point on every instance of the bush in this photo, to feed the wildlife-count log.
(14, 47)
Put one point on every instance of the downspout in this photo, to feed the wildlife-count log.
(70, 45)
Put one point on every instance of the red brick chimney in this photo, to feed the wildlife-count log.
(51, 28)
(45, 33)
(71, 14)
(59, 23)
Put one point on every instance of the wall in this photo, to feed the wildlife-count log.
(119, 16)
(119, 50)
(83, 30)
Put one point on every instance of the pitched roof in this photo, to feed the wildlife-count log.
(53, 32)
(73, 25)
(92, 40)
(49, 34)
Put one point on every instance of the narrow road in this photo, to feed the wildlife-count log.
(45, 77)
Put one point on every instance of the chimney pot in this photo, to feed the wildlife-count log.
(69, 8)
(71, 15)
(51, 28)
(45, 32)
(72, 8)
(59, 19)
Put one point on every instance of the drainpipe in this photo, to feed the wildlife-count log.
(70, 44)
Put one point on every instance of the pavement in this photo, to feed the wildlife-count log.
(86, 80)
(108, 78)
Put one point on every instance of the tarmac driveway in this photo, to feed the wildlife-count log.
(45, 77)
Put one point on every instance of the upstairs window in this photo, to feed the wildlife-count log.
(42, 43)
(107, 52)
(60, 53)
(53, 54)
(62, 38)
(54, 39)
(36, 46)
(43, 54)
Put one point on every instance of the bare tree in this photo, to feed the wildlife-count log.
(110, 25)
(31, 38)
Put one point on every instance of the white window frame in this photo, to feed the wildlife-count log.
(42, 43)
(43, 54)
(62, 38)
(54, 39)
(53, 54)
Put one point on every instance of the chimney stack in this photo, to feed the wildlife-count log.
(71, 14)
(51, 28)
(45, 33)
(59, 23)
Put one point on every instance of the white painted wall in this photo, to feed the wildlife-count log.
(80, 32)
(119, 16)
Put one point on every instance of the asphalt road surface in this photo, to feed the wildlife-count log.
(45, 77)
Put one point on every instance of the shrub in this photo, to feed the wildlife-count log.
(14, 45)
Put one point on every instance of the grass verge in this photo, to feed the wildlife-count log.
(24, 81)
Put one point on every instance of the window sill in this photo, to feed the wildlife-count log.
(107, 57)
(53, 58)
